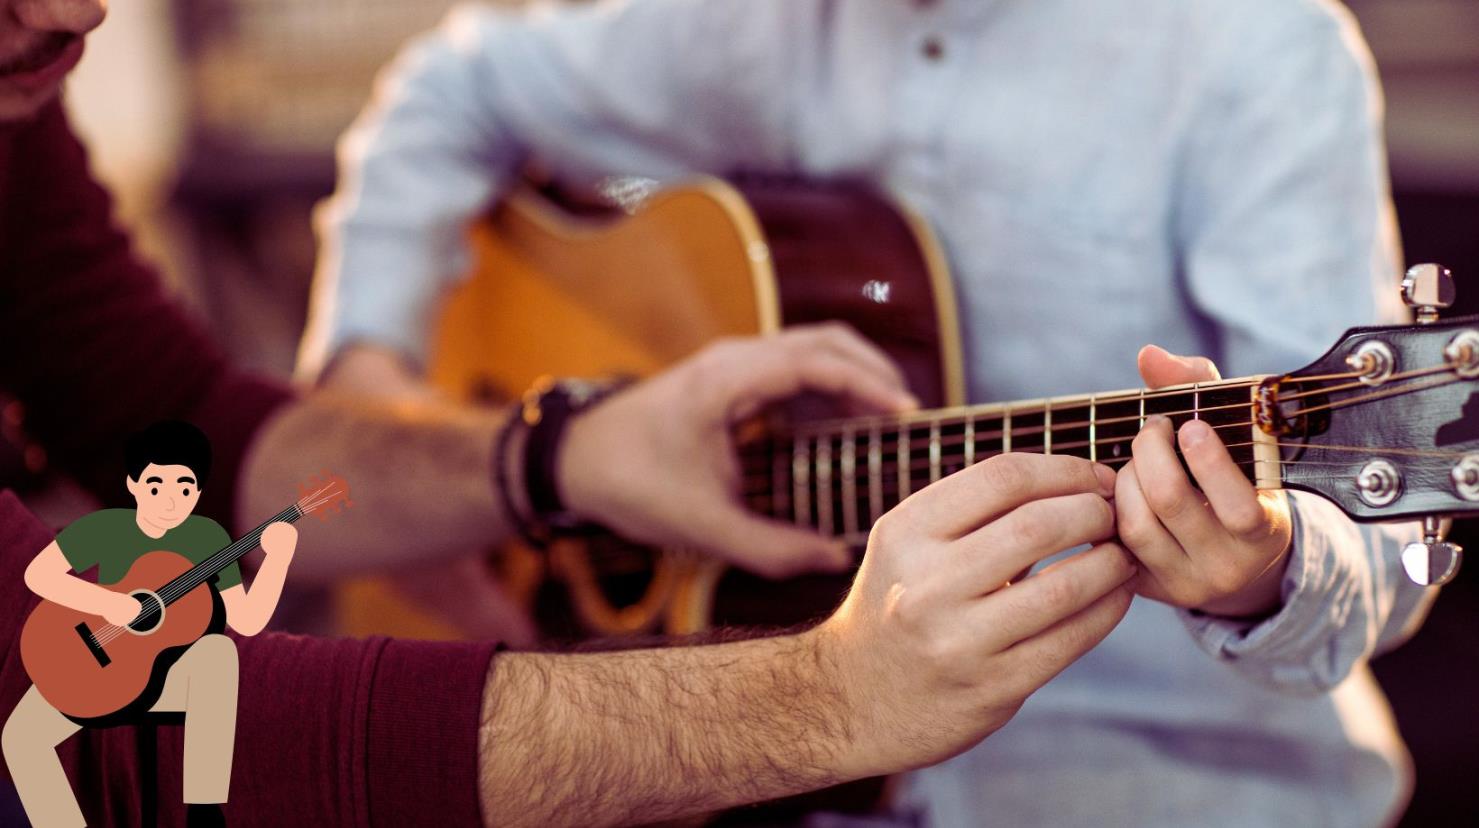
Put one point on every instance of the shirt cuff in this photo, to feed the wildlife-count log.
(425, 714)
(1300, 646)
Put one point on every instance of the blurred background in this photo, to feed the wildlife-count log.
(214, 122)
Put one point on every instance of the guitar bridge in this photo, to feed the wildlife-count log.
(92, 645)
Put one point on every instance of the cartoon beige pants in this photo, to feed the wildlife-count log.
(202, 685)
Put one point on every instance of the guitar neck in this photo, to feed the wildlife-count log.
(224, 557)
(839, 476)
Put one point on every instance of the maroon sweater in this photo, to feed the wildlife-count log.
(329, 732)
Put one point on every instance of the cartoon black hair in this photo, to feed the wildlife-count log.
(169, 443)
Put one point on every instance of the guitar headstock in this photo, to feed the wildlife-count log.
(1386, 423)
(323, 495)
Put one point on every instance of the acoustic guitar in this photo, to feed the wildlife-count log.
(1386, 424)
(94, 672)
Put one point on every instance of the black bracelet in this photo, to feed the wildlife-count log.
(546, 411)
(532, 534)
(547, 415)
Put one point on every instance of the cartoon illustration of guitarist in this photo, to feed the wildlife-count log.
(168, 464)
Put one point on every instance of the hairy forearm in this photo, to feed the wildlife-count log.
(420, 475)
(644, 735)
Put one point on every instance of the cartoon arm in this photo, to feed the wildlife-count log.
(249, 611)
(50, 576)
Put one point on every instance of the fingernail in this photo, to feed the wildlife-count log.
(1156, 420)
(1106, 479)
(908, 401)
(1195, 433)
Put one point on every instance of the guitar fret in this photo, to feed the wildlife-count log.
(824, 484)
(778, 500)
(875, 474)
(970, 439)
(801, 481)
(934, 450)
(849, 482)
(903, 462)
(1093, 433)
(826, 492)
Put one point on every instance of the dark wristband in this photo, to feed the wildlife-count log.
(542, 456)
(547, 409)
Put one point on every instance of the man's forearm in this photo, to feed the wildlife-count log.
(50, 577)
(420, 477)
(643, 735)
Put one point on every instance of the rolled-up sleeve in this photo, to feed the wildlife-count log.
(1345, 598)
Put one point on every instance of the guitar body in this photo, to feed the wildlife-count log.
(571, 293)
(76, 682)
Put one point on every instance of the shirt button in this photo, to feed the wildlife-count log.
(932, 48)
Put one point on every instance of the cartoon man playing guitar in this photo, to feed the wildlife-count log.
(168, 464)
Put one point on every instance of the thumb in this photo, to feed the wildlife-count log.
(774, 549)
(1159, 368)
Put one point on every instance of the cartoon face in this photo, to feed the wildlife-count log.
(40, 42)
(166, 494)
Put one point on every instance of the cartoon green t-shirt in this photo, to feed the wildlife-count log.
(111, 540)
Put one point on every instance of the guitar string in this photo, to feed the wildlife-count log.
(305, 505)
(956, 414)
(890, 469)
(223, 557)
(1416, 372)
(760, 501)
(1110, 398)
(181, 586)
(812, 432)
(171, 591)
(916, 462)
(169, 594)
(952, 415)
(1376, 394)
(913, 443)
(890, 442)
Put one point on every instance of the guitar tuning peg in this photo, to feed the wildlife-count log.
(1427, 289)
(1432, 561)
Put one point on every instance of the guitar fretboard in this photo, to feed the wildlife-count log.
(224, 557)
(840, 476)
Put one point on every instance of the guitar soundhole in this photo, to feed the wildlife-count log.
(622, 574)
(151, 613)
